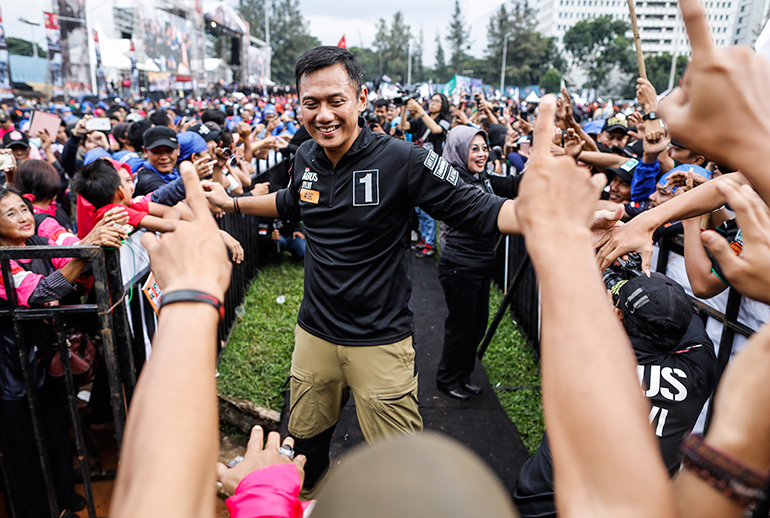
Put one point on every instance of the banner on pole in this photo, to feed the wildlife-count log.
(101, 83)
(53, 38)
(76, 62)
(6, 92)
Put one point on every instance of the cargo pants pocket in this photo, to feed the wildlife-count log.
(303, 406)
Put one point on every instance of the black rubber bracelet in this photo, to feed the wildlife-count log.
(192, 296)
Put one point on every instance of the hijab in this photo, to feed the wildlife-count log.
(458, 145)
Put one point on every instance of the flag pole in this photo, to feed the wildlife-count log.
(637, 40)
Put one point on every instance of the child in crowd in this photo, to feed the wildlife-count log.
(107, 183)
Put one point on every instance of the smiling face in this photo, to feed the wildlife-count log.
(17, 223)
(330, 108)
(163, 158)
(620, 191)
(477, 154)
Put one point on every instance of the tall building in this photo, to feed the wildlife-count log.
(732, 22)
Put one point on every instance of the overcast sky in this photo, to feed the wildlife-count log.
(355, 19)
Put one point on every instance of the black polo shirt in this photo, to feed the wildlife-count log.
(356, 222)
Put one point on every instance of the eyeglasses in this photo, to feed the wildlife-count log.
(438, 101)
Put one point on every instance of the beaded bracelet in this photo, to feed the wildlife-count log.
(727, 475)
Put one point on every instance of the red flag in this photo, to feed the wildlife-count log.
(342, 43)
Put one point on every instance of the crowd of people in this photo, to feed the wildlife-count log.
(628, 365)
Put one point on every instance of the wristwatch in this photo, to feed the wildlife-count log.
(650, 116)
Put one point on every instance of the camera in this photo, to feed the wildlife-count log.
(404, 94)
(371, 118)
(625, 270)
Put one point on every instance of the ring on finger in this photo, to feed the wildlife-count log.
(286, 450)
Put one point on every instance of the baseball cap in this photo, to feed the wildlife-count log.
(134, 117)
(189, 143)
(209, 131)
(626, 171)
(615, 123)
(658, 306)
(95, 154)
(159, 136)
(15, 138)
(688, 168)
(3, 116)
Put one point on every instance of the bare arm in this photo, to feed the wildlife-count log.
(254, 205)
(637, 234)
(601, 160)
(703, 281)
(590, 389)
(169, 452)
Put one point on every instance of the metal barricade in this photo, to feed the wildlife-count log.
(123, 338)
(110, 310)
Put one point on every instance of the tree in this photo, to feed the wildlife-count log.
(418, 70)
(458, 37)
(599, 46)
(396, 56)
(20, 47)
(380, 44)
(369, 62)
(440, 71)
(289, 36)
(529, 54)
(551, 81)
(659, 70)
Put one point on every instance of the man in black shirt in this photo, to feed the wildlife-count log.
(676, 366)
(354, 191)
(161, 149)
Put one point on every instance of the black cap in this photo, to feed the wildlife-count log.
(659, 308)
(159, 136)
(626, 171)
(15, 138)
(209, 131)
(120, 130)
(3, 116)
(615, 123)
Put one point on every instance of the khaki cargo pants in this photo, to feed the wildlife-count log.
(381, 378)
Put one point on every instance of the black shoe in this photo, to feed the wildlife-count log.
(77, 503)
(473, 389)
(457, 393)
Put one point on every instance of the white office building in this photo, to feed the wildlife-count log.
(732, 22)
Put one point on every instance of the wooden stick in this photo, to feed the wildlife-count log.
(637, 40)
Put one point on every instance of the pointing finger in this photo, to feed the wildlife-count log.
(544, 127)
(696, 23)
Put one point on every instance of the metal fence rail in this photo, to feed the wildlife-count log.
(123, 338)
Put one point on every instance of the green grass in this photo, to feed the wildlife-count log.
(256, 362)
(509, 362)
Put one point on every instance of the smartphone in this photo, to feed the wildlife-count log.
(99, 123)
(7, 162)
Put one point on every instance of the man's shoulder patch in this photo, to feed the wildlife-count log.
(440, 168)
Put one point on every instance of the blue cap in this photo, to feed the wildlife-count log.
(95, 154)
(593, 127)
(269, 110)
(190, 142)
(696, 169)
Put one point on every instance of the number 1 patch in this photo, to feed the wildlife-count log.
(366, 188)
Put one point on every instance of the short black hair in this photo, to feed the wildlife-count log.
(226, 138)
(379, 103)
(160, 118)
(97, 182)
(38, 178)
(213, 115)
(136, 133)
(326, 56)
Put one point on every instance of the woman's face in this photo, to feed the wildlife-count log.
(434, 106)
(17, 223)
(478, 154)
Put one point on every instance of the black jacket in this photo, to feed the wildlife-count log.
(356, 223)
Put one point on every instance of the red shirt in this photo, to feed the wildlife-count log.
(136, 211)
